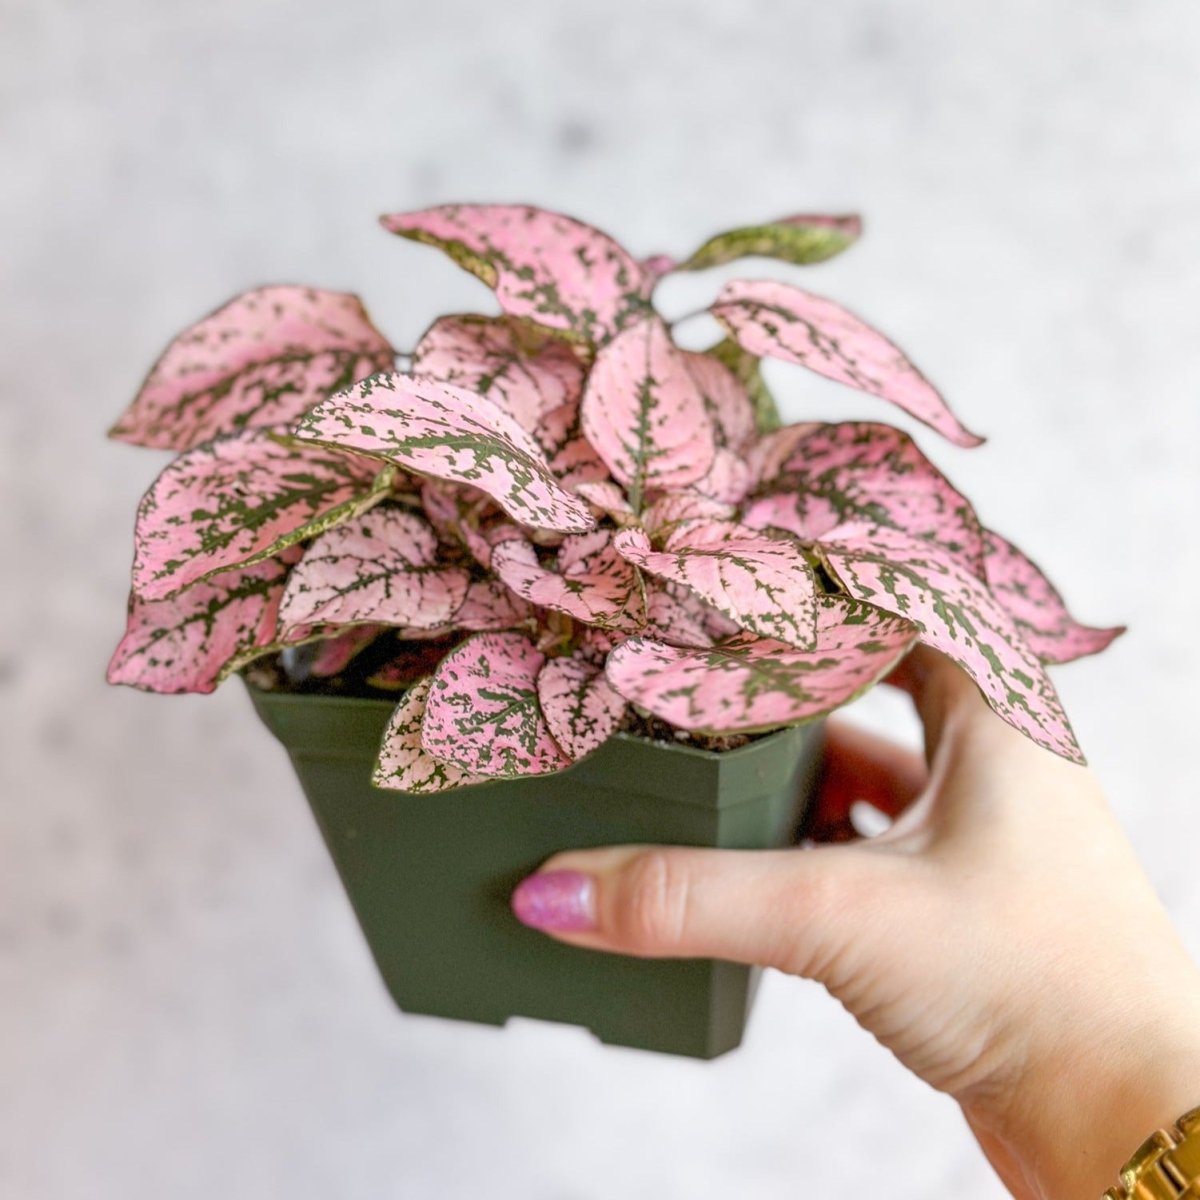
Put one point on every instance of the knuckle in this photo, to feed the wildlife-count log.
(654, 901)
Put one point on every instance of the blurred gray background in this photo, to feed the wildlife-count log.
(186, 1007)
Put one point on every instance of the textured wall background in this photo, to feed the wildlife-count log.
(186, 1008)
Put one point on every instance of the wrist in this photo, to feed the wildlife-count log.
(1086, 1109)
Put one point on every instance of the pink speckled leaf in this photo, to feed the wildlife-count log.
(490, 605)
(675, 508)
(1036, 607)
(404, 763)
(800, 239)
(750, 684)
(441, 430)
(262, 359)
(726, 398)
(728, 480)
(763, 584)
(958, 616)
(589, 581)
(242, 499)
(645, 414)
(483, 713)
(382, 567)
(572, 457)
(678, 616)
(776, 320)
(547, 267)
(579, 704)
(185, 643)
(819, 476)
(519, 369)
(608, 497)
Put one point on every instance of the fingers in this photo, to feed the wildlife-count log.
(858, 765)
(792, 909)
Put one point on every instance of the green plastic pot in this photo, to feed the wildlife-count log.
(430, 876)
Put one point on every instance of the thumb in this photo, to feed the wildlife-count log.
(799, 910)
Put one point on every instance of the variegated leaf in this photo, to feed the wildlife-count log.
(579, 704)
(490, 605)
(242, 499)
(185, 643)
(728, 480)
(763, 584)
(800, 239)
(572, 457)
(725, 397)
(747, 370)
(673, 509)
(483, 713)
(437, 429)
(776, 320)
(750, 684)
(404, 763)
(260, 360)
(608, 497)
(1036, 607)
(958, 616)
(645, 414)
(522, 371)
(591, 581)
(381, 567)
(822, 476)
(547, 267)
(678, 616)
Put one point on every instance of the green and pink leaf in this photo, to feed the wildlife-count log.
(579, 704)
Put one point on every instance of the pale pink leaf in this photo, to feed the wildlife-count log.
(242, 499)
(672, 509)
(728, 480)
(441, 430)
(572, 457)
(185, 644)
(588, 580)
(1036, 607)
(819, 476)
(382, 567)
(404, 764)
(520, 369)
(801, 239)
(958, 616)
(262, 359)
(579, 704)
(547, 267)
(726, 398)
(483, 713)
(762, 584)
(751, 684)
(645, 414)
(678, 616)
(491, 605)
(609, 498)
(776, 320)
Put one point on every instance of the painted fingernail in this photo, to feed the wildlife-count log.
(560, 901)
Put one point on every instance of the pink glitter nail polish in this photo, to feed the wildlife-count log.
(560, 901)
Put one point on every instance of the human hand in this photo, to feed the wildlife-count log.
(1000, 938)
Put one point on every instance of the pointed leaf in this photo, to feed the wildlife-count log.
(522, 371)
(825, 475)
(750, 684)
(725, 397)
(958, 616)
(800, 239)
(579, 704)
(776, 320)
(763, 584)
(747, 369)
(382, 568)
(440, 430)
(483, 712)
(242, 499)
(183, 644)
(1036, 607)
(404, 764)
(645, 414)
(608, 497)
(262, 359)
(547, 267)
(590, 580)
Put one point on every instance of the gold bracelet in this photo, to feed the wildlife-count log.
(1166, 1165)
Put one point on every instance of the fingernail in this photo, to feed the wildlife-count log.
(560, 901)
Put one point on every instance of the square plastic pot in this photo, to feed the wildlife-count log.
(430, 877)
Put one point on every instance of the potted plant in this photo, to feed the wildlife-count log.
(556, 583)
